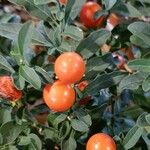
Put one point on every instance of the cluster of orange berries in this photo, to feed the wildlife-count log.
(69, 68)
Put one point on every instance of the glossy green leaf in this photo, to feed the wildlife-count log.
(44, 74)
(132, 137)
(133, 12)
(36, 143)
(5, 65)
(11, 31)
(50, 133)
(10, 131)
(73, 32)
(109, 3)
(132, 81)
(70, 144)
(141, 30)
(146, 84)
(40, 2)
(72, 9)
(30, 76)
(59, 119)
(146, 1)
(25, 36)
(18, 81)
(133, 111)
(5, 115)
(64, 130)
(24, 140)
(51, 117)
(79, 125)
(40, 11)
(140, 65)
(93, 42)
(141, 121)
(99, 63)
(138, 41)
(103, 81)
(147, 117)
(1, 139)
(84, 116)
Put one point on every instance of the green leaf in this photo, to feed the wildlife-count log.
(39, 39)
(70, 144)
(36, 143)
(5, 115)
(138, 41)
(5, 65)
(146, 138)
(11, 31)
(100, 13)
(15, 53)
(51, 117)
(141, 30)
(133, 12)
(64, 130)
(24, 140)
(147, 117)
(30, 76)
(12, 147)
(44, 74)
(59, 119)
(132, 137)
(133, 111)
(60, 15)
(140, 65)
(40, 11)
(79, 125)
(72, 9)
(120, 8)
(50, 133)
(40, 2)
(10, 131)
(141, 98)
(132, 81)
(99, 63)
(146, 1)
(93, 42)
(7, 17)
(73, 32)
(146, 84)
(103, 81)
(109, 3)
(25, 36)
(1, 139)
(18, 81)
(141, 121)
(84, 116)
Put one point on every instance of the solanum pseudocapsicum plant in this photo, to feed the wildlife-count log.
(75, 75)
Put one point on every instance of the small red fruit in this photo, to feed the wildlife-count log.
(63, 2)
(8, 90)
(82, 85)
(112, 21)
(59, 97)
(128, 52)
(87, 13)
(100, 141)
(69, 67)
